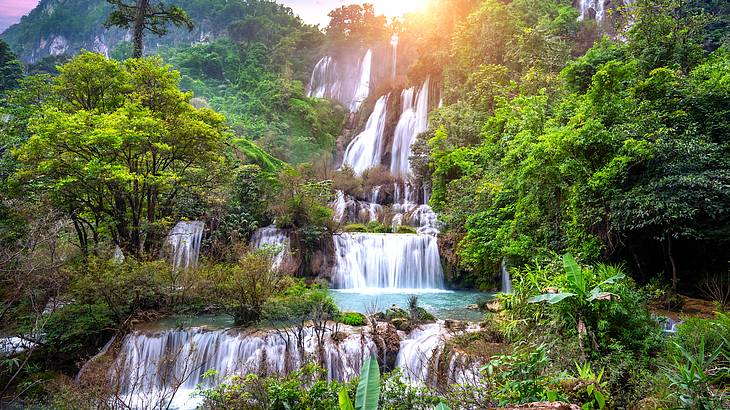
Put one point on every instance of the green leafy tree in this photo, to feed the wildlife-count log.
(118, 147)
(146, 15)
(11, 69)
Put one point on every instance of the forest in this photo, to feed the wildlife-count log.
(480, 204)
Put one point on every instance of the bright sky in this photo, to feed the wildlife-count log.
(311, 11)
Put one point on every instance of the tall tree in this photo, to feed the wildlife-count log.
(11, 69)
(141, 15)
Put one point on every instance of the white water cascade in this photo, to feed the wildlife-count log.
(363, 85)
(413, 121)
(394, 47)
(506, 281)
(275, 239)
(183, 243)
(364, 151)
(342, 81)
(420, 361)
(597, 7)
(166, 367)
(387, 261)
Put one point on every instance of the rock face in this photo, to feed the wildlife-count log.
(58, 27)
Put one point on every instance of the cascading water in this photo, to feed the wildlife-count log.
(394, 46)
(363, 86)
(387, 261)
(183, 243)
(588, 8)
(274, 238)
(413, 121)
(506, 280)
(364, 151)
(421, 358)
(168, 366)
(340, 82)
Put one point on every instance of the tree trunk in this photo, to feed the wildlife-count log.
(138, 34)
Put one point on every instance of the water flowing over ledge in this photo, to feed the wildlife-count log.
(387, 261)
(275, 239)
(183, 244)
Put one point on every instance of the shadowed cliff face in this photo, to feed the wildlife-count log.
(58, 27)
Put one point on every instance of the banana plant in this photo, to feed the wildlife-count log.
(578, 285)
(367, 395)
(578, 291)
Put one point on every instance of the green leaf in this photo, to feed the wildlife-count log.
(612, 280)
(551, 298)
(442, 406)
(574, 273)
(368, 390)
(600, 399)
(344, 399)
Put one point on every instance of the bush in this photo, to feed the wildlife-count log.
(405, 229)
(352, 319)
(359, 228)
(714, 332)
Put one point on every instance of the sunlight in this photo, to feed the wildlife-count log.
(392, 8)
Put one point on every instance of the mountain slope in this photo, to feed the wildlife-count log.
(57, 27)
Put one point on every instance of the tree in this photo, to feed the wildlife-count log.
(118, 147)
(11, 69)
(146, 15)
(246, 287)
(356, 23)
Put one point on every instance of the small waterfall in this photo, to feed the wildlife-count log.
(363, 86)
(394, 46)
(506, 280)
(387, 261)
(184, 242)
(168, 366)
(589, 8)
(413, 121)
(118, 256)
(346, 82)
(364, 151)
(274, 238)
(423, 358)
(324, 83)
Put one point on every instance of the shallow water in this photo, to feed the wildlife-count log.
(443, 304)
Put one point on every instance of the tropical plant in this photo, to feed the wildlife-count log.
(693, 376)
(578, 294)
(367, 395)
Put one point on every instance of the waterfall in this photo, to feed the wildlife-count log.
(394, 46)
(423, 358)
(364, 150)
(598, 7)
(413, 121)
(506, 280)
(346, 82)
(324, 83)
(183, 243)
(274, 238)
(363, 86)
(166, 367)
(387, 261)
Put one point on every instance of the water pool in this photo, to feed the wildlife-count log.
(443, 304)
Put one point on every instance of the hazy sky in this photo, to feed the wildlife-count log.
(311, 11)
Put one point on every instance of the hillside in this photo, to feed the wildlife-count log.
(58, 27)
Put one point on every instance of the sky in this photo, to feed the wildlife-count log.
(311, 11)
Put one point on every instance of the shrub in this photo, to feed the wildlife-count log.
(360, 228)
(405, 229)
(352, 319)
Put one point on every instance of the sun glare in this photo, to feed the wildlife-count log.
(397, 8)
